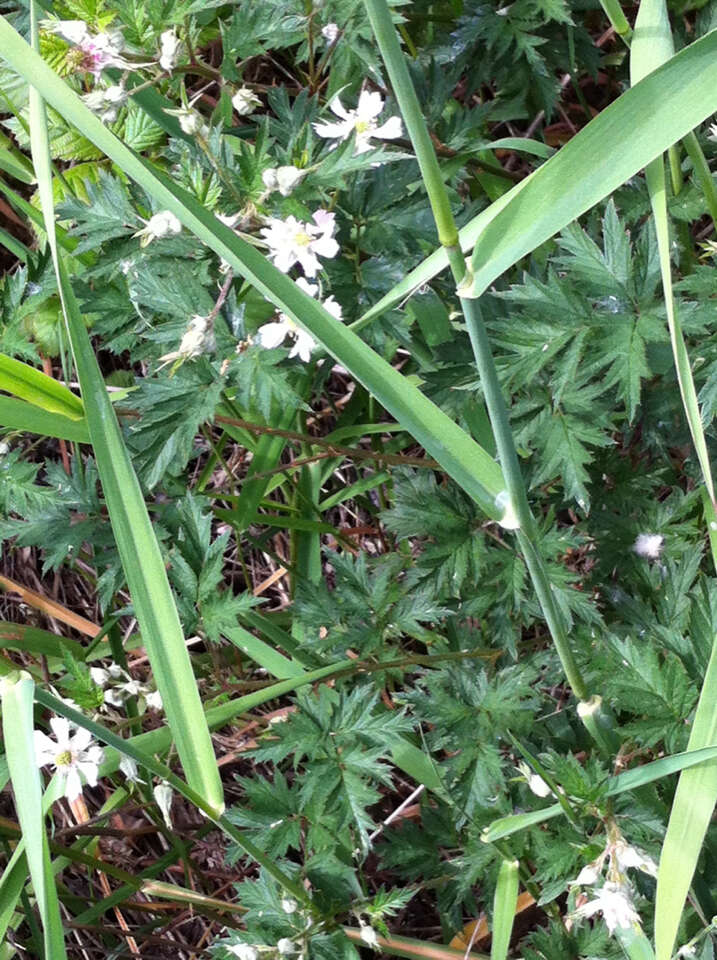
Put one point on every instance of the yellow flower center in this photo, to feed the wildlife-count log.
(63, 759)
(302, 239)
(362, 126)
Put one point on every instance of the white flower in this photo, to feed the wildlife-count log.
(687, 951)
(649, 545)
(330, 32)
(162, 224)
(163, 798)
(589, 874)
(71, 756)
(272, 334)
(102, 50)
(283, 179)
(118, 687)
(289, 906)
(106, 103)
(245, 101)
(536, 784)
(4, 448)
(169, 49)
(369, 936)
(129, 768)
(627, 857)
(244, 951)
(712, 135)
(286, 947)
(74, 31)
(291, 241)
(362, 120)
(614, 903)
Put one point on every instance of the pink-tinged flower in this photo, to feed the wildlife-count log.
(71, 756)
(271, 335)
(363, 121)
(93, 52)
(290, 241)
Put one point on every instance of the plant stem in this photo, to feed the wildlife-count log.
(617, 18)
(518, 507)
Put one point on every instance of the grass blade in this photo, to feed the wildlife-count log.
(18, 415)
(505, 901)
(37, 388)
(136, 542)
(17, 724)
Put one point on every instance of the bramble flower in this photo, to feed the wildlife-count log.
(198, 339)
(272, 334)
(536, 784)
(191, 121)
(118, 686)
(369, 936)
(245, 101)
(244, 951)
(362, 121)
(74, 31)
(162, 224)
(71, 756)
(614, 903)
(330, 32)
(649, 545)
(170, 47)
(107, 102)
(283, 179)
(289, 906)
(712, 135)
(286, 947)
(290, 241)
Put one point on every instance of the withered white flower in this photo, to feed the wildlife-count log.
(614, 903)
(536, 784)
(369, 936)
(289, 906)
(649, 545)
(291, 241)
(272, 334)
(170, 47)
(245, 101)
(330, 32)
(162, 224)
(283, 179)
(244, 951)
(363, 121)
(163, 798)
(106, 103)
(198, 339)
(72, 756)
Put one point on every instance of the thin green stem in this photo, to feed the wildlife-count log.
(517, 509)
(702, 173)
(385, 33)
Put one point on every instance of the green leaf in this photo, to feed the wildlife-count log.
(17, 724)
(37, 388)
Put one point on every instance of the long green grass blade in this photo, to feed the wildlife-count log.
(694, 803)
(17, 723)
(37, 388)
(18, 415)
(505, 901)
(136, 542)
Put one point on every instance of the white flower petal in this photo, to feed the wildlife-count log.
(73, 784)
(390, 130)
(271, 335)
(61, 728)
(370, 104)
